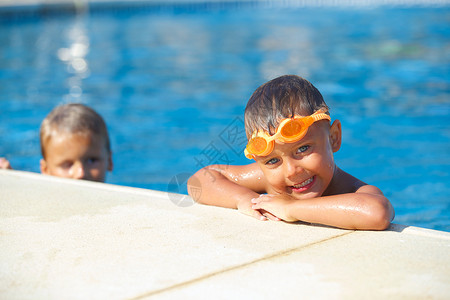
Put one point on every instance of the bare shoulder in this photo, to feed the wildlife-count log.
(343, 183)
(249, 176)
(369, 189)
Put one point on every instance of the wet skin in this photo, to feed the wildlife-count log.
(298, 182)
(303, 169)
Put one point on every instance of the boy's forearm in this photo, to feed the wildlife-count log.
(349, 211)
(209, 186)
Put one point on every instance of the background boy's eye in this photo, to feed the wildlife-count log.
(66, 165)
(302, 149)
(92, 160)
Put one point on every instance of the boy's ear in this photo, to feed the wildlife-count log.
(110, 162)
(43, 165)
(335, 135)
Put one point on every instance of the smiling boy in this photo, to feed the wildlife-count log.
(294, 177)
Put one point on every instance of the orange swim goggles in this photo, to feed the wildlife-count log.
(290, 130)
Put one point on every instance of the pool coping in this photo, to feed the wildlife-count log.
(93, 240)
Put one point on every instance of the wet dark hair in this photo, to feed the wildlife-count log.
(73, 118)
(281, 98)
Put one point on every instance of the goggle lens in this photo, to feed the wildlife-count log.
(292, 129)
(257, 145)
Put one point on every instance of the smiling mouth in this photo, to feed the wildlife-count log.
(304, 183)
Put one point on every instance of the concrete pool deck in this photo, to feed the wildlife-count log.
(69, 239)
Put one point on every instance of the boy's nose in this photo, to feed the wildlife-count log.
(78, 171)
(291, 167)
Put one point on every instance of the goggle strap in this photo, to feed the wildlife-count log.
(321, 116)
(247, 154)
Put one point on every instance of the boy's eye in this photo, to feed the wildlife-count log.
(271, 161)
(302, 149)
(66, 165)
(92, 160)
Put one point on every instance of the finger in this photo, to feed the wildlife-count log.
(271, 217)
(253, 213)
(258, 215)
(265, 213)
(260, 205)
(256, 206)
(254, 200)
(261, 198)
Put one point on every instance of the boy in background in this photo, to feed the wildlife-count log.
(74, 144)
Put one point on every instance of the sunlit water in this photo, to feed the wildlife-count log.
(172, 85)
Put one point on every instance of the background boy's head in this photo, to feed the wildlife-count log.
(281, 98)
(75, 143)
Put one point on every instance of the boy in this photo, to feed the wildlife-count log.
(294, 177)
(74, 144)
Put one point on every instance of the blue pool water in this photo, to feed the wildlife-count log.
(172, 84)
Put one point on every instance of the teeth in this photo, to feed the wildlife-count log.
(306, 182)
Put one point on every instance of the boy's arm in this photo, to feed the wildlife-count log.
(229, 186)
(366, 209)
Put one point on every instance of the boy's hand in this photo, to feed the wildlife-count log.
(277, 205)
(245, 207)
(4, 163)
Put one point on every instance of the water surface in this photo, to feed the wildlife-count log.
(172, 85)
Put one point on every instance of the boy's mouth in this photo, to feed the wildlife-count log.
(303, 186)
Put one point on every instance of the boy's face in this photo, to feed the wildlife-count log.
(77, 156)
(303, 169)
